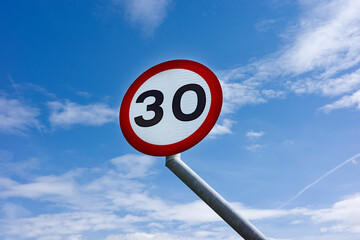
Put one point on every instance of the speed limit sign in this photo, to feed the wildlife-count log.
(170, 107)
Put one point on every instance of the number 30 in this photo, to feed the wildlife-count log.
(176, 106)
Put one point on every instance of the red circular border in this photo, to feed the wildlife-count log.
(193, 139)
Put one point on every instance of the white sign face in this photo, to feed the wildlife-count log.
(170, 107)
(164, 126)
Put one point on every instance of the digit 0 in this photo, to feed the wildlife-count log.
(176, 104)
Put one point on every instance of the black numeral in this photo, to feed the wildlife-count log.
(155, 107)
(178, 113)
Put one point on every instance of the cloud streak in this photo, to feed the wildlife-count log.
(69, 113)
(321, 55)
(118, 196)
(145, 14)
(345, 102)
(221, 129)
(254, 135)
(353, 158)
(17, 117)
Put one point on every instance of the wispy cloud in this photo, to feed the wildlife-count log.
(345, 102)
(145, 236)
(254, 135)
(146, 14)
(239, 94)
(40, 187)
(12, 211)
(264, 25)
(221, 129)
(20, 168)
(321, 55)
(70, 113)
(63, 225)
(84, 94)
(118, 196)
(133, 166)
(17, 117)
(329, 86)
(326, 40)
(255, 147)
(14, 85)
(108, 202)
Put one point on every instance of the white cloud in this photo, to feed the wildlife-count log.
(265, 25)
(225, 128)
(195, 234)
(185, 212)
(345, 102)
(93, 200)
(69, 113)
(62, 225)
(38, 188)
(147, 14)
(329, 87)
(13, 211)
(321, 55)
(37, 88)
(271, 93)
(344, 215)
(327, 38)
(118, 197)
(133, 166)
(288, 142)
(67, 190)
(255, 147)
(145, 236)
(247, 92)
(239, 94)
(84, 94)
(20, 168)
(17, 117)
(254, 135)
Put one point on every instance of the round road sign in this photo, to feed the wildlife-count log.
(170, 107)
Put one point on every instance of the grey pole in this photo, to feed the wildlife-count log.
(212, 199)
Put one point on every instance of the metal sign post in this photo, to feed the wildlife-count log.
(212, 198)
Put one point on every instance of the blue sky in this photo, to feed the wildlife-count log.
(284, 152)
